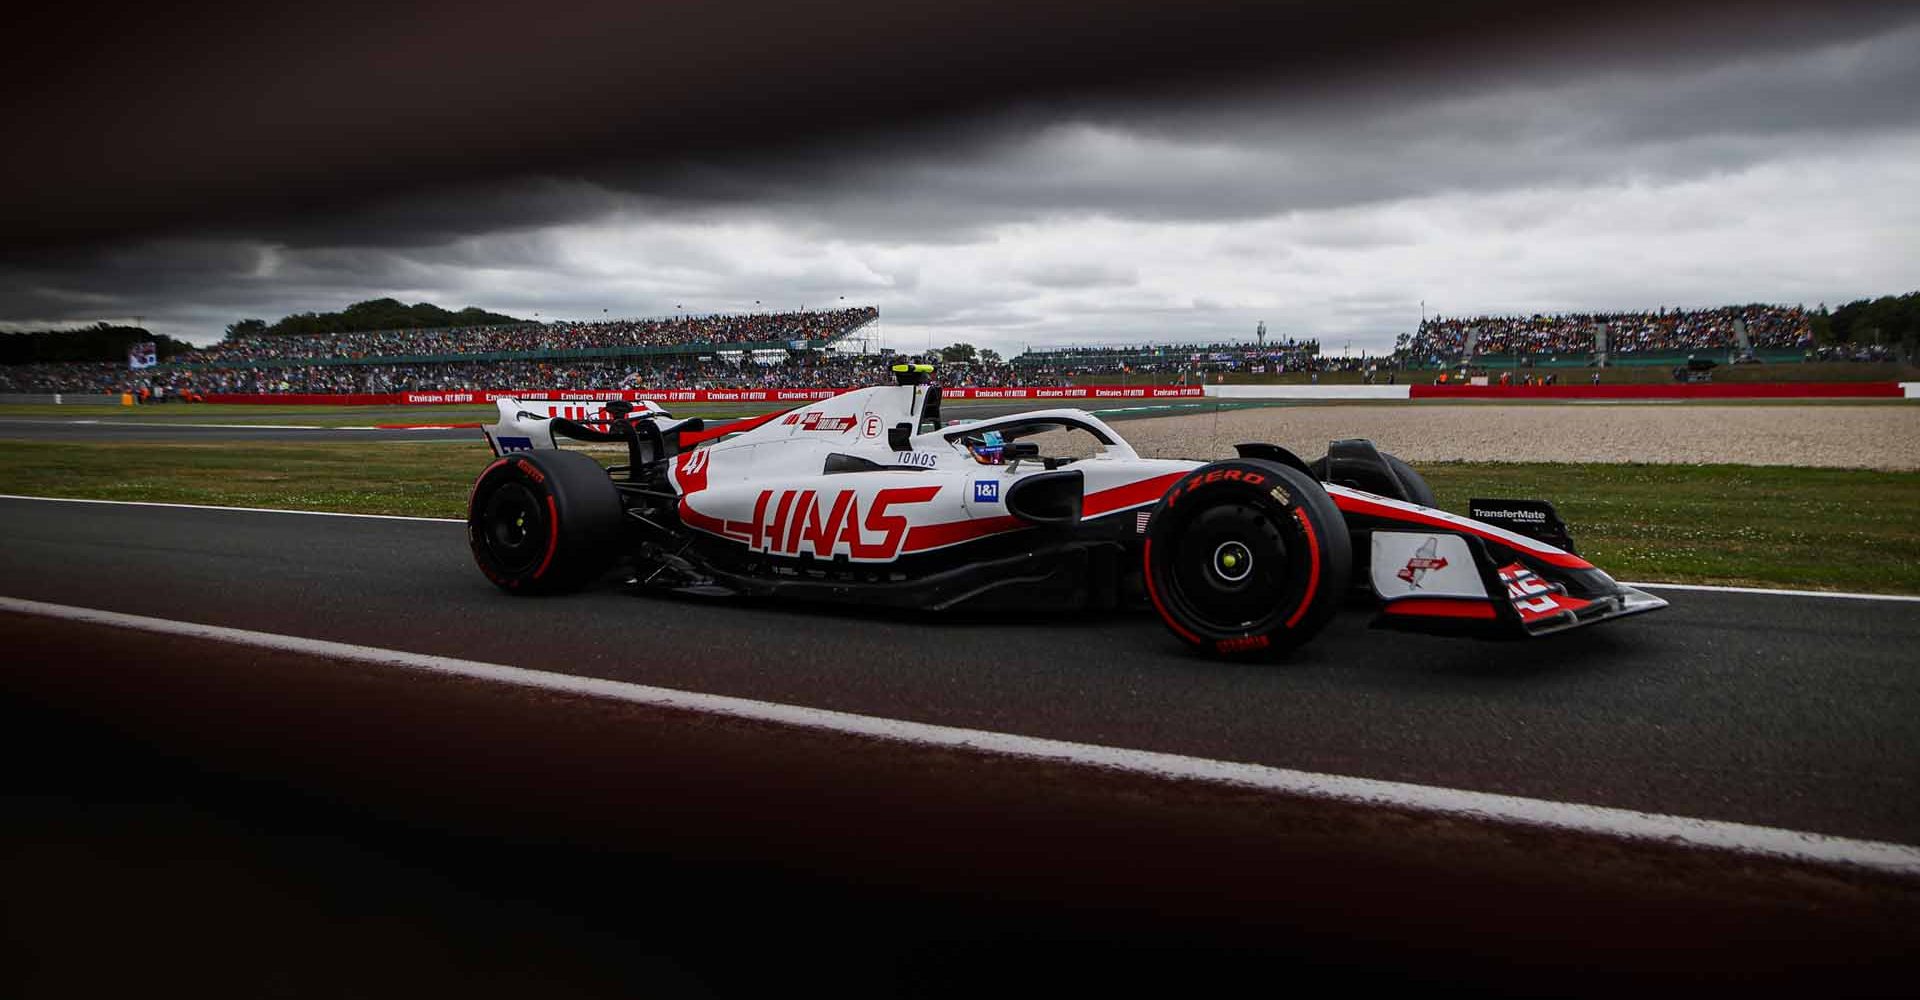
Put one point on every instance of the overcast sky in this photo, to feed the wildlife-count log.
(1690, 162)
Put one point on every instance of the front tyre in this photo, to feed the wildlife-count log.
(544, 522)
(1246, 557)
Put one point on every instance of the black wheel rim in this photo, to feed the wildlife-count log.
(514, 527)
(1227, 568)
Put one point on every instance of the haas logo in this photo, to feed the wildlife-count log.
(1424, 559)
(796, 522)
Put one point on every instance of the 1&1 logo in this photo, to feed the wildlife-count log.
(986, 491)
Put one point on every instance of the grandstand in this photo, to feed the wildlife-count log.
(796, 331)
(808, 350)
(1754, 332)
(1170, 359)
(731, 349)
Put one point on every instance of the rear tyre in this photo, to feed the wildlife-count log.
(544, 522)
(1416, 485)
(1246, 557)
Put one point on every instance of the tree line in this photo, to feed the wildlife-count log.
(373, 314)
(99, 342)
(964, 353)
(1890, 320)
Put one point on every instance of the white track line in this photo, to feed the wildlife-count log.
(1762, 591)
(1775, 593)
(1624, 824)
(248, 510)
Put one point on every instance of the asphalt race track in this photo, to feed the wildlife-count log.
(897, 868)
(1793, 712)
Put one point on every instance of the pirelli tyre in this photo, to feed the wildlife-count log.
(1246, 557)
(1417, 489)
(544, 522)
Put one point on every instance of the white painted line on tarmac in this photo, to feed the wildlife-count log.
(1774, 592)
(247, 510)
(1142, 409)
(1624, 824)
(1761, 591)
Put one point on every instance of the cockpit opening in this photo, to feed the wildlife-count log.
(1052, 442)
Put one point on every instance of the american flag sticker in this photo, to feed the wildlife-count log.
(1140, 521)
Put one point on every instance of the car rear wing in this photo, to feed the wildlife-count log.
(649, 430)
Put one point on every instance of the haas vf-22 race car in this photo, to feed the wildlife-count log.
(868, 497)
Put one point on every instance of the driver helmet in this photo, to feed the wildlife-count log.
(991, 449)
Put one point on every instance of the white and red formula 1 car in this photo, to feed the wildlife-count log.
(867, 497)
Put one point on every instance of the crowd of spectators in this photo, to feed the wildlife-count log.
(1439, 340)
(68, 376)
(1443, 340)
(1126, 359)
(1549, 335)
(530, 337)
(797, 370)
(1708, 329)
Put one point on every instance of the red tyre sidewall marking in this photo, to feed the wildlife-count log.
(553, 538)
(475, 491)
(473, 530)
(1313, 567)
(1153, 594)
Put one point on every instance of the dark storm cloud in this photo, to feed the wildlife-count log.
(1565, 110)
(1550, 117)
(214, 164)
(244, 115)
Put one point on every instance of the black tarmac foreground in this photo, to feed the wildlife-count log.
(200, 815)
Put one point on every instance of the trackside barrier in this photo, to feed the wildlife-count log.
(787, 396)
(1710, 390)
(1309, 391)
(1911, 389)
(59, 398)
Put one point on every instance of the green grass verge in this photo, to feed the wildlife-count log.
(1749, 525)
(426, 480)
(1837, 529)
